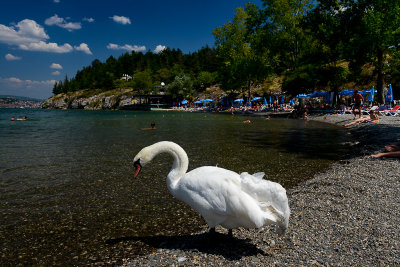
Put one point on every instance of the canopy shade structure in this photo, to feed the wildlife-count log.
(346, 92)
(265, 101)
(198, 102)
(301, 96)
(208, 100)
(184, 102)
(238, 100)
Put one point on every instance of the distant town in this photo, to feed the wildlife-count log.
(17, 102)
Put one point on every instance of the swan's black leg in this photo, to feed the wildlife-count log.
(212, 231)
(230, 235)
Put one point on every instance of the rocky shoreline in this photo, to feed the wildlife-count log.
(347, 215)
(115, 99)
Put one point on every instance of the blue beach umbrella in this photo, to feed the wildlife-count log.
(248, 102)
(270, 100)
(371, 94)
(282, 100)
(389, 95)
(265, 101)
(238, 100)
(256, 98)
(184, 102)
(328, 98)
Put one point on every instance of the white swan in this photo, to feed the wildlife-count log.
(221, 196)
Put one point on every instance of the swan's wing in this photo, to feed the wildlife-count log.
(209, 190)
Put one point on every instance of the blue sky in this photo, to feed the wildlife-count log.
(41, 41)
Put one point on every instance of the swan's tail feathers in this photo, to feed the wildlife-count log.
(271, 198)
(259, 175)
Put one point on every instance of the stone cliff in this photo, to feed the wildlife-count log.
(115, 99)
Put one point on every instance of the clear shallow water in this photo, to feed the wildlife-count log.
(66, 177)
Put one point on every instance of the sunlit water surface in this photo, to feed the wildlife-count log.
(66, 177)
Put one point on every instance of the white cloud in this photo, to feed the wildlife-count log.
(30, 36)
(88, 19)
(159, 48)
(84, 48)
(31, 88)
(56, 72)
(56, 66)
(121, 19)
(47, 47)
(126, 47)
(61, 22)
(11, 57)
(26, 31)
(28, 82)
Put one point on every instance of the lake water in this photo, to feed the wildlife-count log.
(66, 176)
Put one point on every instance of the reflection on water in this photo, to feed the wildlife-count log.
(66, 177)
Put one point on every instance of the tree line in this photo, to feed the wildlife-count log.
(307, 45)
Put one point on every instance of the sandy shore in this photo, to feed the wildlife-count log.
(348, 215)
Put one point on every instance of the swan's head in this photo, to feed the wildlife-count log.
(141, 159)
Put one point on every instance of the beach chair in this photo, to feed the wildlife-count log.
(366, 112)
(393, 112)
(382, 109)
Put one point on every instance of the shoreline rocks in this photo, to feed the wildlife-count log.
(115, 99)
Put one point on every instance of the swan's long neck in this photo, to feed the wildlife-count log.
(180, 164)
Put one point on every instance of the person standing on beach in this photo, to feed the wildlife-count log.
(358, 99)
(275, 105)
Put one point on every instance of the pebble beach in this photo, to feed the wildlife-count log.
(348, 215)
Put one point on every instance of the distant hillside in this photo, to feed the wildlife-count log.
(21, 98)
(19, 102)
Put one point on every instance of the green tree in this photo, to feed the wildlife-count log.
(282, 29)
(375, 28)
(142, 82)
(241, 66)
(205, 79)
(182, 86)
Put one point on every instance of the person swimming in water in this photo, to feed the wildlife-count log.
(152, 125)
(19, 119)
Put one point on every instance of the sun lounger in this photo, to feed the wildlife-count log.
(393, 112)
(382, 109)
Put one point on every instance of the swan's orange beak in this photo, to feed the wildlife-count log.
(138, 168)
